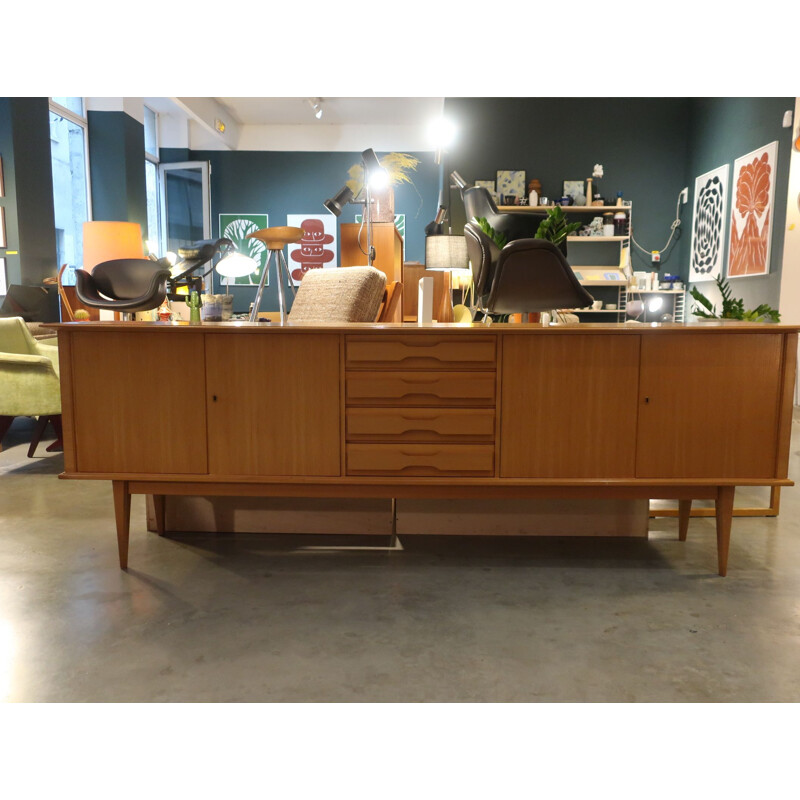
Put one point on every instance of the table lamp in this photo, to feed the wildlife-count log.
(448, 253)
(104, 241)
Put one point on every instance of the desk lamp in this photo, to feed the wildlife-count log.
(448, 253)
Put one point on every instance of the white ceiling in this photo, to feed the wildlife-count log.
(336, 110)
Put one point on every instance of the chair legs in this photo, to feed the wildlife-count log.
(38, 432)
(5, 424)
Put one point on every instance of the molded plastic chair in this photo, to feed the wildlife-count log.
(29, 385)
(527, 275)
(123, 284)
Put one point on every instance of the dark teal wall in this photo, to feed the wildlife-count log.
(116, 158)
(30, 222)
(722, 130)
(642, 143)
(281, 183)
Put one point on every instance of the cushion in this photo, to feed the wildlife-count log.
(344, 294)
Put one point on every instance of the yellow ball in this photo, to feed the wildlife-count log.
(81, 315)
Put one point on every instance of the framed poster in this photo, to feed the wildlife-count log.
(3, 279)
(236, 227)
(317, 248)
(708, 224)
(577, 191)
(751, 212)
(2, 182)
(511, 186)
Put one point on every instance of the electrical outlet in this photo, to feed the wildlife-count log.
(685, 194)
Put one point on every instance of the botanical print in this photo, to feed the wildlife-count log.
(511, 182)
(751, 215)
(236, 227)
(317, 248)
(708, 228)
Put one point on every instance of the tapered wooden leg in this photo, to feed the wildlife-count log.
(160, 508)
(41, 424)
(122, 512)
(775, 500)
(684, 512)
(57, 444)
(5, 424)
(724, 507)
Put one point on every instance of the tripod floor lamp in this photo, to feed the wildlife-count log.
(275, 239)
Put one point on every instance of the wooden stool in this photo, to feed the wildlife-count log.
(275, 239)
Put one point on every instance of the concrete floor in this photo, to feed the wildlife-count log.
(215, 618)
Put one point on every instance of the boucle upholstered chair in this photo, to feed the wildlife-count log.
(29, 385)
(346, 294)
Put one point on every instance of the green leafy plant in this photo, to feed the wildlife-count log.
(497, 237)
(732, 307)
(556, 228)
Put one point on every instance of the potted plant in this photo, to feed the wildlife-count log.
(555, 228)
(732, 307)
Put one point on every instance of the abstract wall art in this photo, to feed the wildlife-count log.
(751, 212)
(708, 226)
(317, 248)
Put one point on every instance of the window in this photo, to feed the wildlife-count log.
(70, 179)
(151, 176)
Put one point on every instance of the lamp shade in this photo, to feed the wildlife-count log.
(104, 241)
(235, 265)
(446, 252)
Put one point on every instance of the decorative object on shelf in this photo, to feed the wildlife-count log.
(194, 304)
(211, 307)
(751, 215)
(555, 228)
(596, 227)
(566, 200)
(593, 196)
(164, 311)
(317, 248)
(576, 192)
(534, 192)
(732, 307)
(708, 227)
(608, 224)
(620, 223)
(237, 228)
(510, 184)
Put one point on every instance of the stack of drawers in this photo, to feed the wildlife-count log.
(420, 405)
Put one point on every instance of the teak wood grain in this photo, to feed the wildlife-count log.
(420, 424)
(138, 404)
(273, 405)
(569, 407)
(708, 405)
(430, 388)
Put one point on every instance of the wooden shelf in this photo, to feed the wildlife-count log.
(597, 238)
(584, 209)
(596, 311)
(654, 291)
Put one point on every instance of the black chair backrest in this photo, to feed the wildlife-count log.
(514, 224)
(533, 275)
(128, 278)
(483, 254)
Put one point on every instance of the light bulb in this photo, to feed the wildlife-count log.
(654, 304)
(378, 179)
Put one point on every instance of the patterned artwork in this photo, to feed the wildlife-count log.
(751, 212)
(236, 227)
(708, 228)
(577, 191)
(316, 249)
(511, 183)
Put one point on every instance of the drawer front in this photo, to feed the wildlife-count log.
(420, 352)
(420, 425)
(421, 388)
(436, 460)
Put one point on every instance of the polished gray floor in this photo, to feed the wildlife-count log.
(216, 618)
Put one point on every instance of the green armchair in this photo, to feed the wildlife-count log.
(29, 384)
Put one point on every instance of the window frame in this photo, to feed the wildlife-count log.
(83, 123)
(155, 159)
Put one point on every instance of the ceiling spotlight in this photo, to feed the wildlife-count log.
(316, 106)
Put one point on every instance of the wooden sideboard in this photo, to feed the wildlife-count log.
(439, 411)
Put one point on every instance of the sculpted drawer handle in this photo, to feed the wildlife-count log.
(420, 380)
(418, 453)
(419, 419)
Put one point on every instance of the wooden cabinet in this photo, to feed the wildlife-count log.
(136, 407)
(709, 405)
(568, 406)
(420, 405)
(273, 404)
